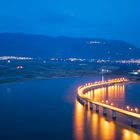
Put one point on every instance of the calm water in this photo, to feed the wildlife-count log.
(47, 110)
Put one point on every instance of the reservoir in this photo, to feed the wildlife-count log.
(48, 109)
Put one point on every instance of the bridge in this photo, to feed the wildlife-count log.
(105, 105)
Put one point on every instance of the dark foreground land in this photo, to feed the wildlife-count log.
(40, 69)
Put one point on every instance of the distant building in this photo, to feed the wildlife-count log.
(135, 72)
(108, 69)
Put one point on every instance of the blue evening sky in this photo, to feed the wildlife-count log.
(111, 19)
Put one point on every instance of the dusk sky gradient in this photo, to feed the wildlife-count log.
(110, 19)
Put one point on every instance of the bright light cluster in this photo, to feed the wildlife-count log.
(99, 83)
(15, 58)
(130, 61)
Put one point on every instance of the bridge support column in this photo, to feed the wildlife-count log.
(114, 115)
(91, 106)
(104, 111)
(79, 99)
(133, 123)
(82, 101)
(86, 103)
(77, 96)
(97, 108)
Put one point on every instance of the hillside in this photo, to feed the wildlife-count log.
(64, 47)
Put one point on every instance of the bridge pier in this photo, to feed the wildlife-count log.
(91, 106)
(97, 108)
(104, 111)
(82, 101)
(133, 123)
(114, 115)
(86, 103)
(79, 99)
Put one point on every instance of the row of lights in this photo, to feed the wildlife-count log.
(111, 81)
(131, 109)
(116, 80)
(127, 107)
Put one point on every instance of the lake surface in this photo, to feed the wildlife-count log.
(48, 110)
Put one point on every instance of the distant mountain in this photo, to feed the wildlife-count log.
(64, 47)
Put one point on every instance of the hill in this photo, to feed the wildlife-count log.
(64, 47)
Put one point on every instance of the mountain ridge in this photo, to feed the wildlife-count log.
(63, 47)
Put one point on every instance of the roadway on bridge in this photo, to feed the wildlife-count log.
(111, 107)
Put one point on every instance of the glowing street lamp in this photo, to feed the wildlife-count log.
(106, 101)
(128, 107)
(112, 104)
(136, 110)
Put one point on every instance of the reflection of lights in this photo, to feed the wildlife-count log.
(130, 135)
(127, 133)
(106, 127)
(106, 104)
(79, 121)
(99, 98)
(94, 125)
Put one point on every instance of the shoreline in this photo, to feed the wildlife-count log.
(14, 80)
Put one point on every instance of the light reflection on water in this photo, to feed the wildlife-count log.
(79, 121)
(130, 135)
(98, 127)
(37, 110)
(115, 94)
(90, 125)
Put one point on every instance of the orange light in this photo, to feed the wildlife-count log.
(128, 107)
(112, 104)
(136, 110)
(106, 101)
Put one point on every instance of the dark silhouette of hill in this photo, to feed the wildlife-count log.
(63, 47)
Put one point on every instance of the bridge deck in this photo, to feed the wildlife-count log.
(81, 91)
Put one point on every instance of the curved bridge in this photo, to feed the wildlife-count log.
(106, 106)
